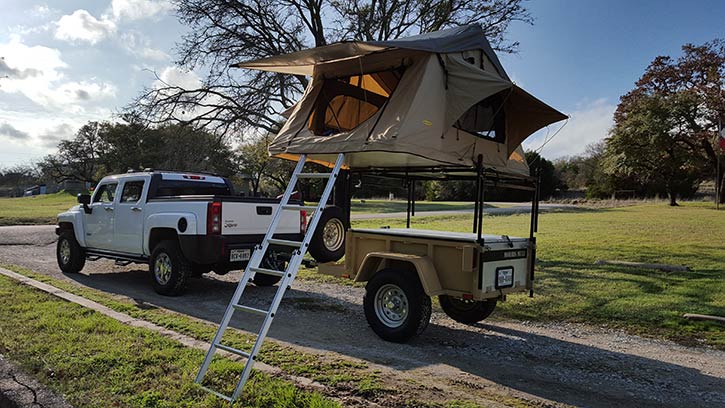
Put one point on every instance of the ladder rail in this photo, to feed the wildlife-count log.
(255, 260)
(288, 275)
(292, 269)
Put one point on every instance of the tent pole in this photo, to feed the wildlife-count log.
(407, 218)
(476, 208)
(412, 198)
(482, 180)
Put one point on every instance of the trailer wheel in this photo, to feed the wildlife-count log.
(270, 262)
(396, 305)
(70, 255)
(467, 311)
(328, 242)
(169, 268)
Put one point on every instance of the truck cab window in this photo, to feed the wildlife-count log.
(132, 191)
(105, 193)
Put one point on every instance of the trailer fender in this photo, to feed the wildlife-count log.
(376, 261)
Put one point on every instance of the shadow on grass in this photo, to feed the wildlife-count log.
(547, 367)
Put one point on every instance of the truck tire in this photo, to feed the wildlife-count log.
(328, 242)
(396, 305)
(466, 311)
(169, 268)
(70, 255)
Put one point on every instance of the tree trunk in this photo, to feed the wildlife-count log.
(673, 198)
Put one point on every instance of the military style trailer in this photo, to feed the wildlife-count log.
(437, 106)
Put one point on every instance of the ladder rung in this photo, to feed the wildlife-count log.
(268, 271)
(251, 310)
(232, 350)
(299, 207)
(285, 242)
(314, 175)
(218, 394)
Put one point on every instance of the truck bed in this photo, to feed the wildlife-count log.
(467, 237)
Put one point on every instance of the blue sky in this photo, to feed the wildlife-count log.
(74, 61)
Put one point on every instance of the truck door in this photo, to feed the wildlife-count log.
(99, 223)
(128, 232)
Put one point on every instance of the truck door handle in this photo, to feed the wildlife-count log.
(137, 209)
(108, 208)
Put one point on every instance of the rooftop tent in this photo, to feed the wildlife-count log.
(439, 99)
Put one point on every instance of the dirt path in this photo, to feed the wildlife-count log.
(546, 364)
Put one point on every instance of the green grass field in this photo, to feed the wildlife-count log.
(570, 287)
(386, 206)
(95, 361)
(40, 209)
(44, 209)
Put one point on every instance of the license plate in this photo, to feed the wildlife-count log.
(238, 255)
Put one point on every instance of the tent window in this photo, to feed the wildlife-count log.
(344, 103)
(485, 119)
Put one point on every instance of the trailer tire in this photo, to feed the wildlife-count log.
(70, 255)
(396, 306)
(328, 242)
(261, 279)
(467, 311)
(169, 268)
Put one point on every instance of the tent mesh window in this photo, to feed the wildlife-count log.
(485, 119)
(346, 102)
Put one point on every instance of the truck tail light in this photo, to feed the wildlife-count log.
(303, 221)
(214, 218)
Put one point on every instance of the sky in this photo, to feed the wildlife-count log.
(67, 62)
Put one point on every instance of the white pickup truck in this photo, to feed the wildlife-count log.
(181, 224)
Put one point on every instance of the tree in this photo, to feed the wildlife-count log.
(223, 32)
(550, 181)
(78, 159)
(694, 84)
(648, 143)
(253, 161)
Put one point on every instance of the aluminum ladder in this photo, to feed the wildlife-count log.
(253, 267)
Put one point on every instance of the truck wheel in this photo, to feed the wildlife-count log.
(274, 264)
(328, 242)
(396, 305)
(70, 255)
(170, 270)
(466, 311)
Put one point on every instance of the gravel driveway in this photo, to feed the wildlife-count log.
(549, 364)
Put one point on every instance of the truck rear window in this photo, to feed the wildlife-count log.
(169, 188)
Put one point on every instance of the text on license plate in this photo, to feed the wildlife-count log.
(238, 255)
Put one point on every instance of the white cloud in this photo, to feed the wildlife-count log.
(589, 123)
(139, 9)
(82, 26)
(37, 73)
(138, 44)
(175, 76)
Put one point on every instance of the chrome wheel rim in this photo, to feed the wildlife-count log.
(333, 234)
(64, 251)
(162, 269)
(391, 305)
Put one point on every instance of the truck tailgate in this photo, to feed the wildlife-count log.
(245, 218)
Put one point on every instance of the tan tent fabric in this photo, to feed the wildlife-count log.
(353, 105)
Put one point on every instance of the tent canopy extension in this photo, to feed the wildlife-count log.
(439, 99)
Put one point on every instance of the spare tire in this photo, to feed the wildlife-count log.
(328, 242)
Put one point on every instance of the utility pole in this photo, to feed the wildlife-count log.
(718, 153)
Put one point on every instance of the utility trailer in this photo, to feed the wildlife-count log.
(469, 272)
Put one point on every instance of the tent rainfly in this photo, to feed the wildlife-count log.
(439, 99)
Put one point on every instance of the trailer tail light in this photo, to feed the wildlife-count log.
(214, 218)
(303, 221)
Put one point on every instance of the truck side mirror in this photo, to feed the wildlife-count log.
(85, 199)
